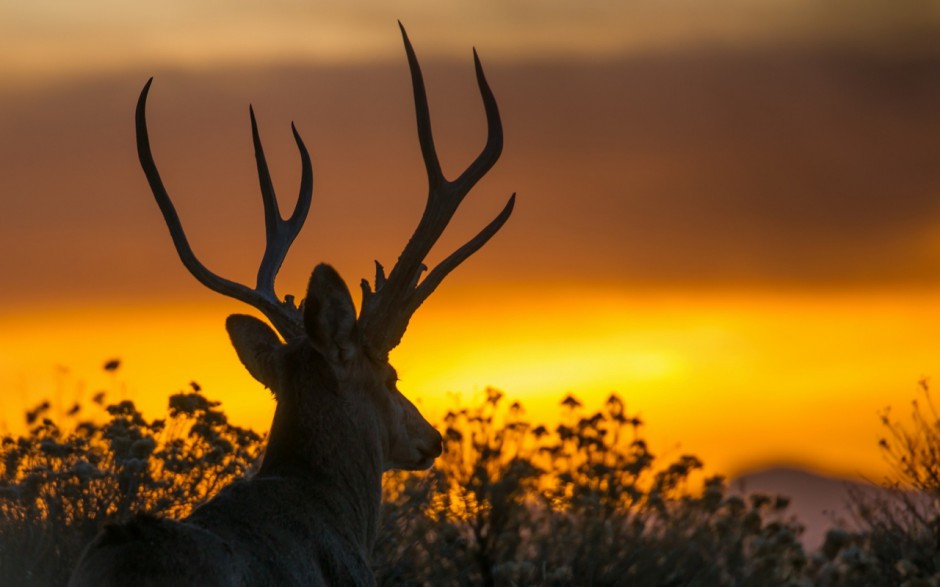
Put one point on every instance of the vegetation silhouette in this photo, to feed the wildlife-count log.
(61, 482)
(508, 503)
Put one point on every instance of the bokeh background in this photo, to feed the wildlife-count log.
(728, 211)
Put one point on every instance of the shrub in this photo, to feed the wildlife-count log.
(508, 503)
(60, 483)
(899, 537)
(513, 504)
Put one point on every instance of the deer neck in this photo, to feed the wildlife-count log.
(341, 464)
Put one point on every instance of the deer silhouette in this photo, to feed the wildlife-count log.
(309, 515)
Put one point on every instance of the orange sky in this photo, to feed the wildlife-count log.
(730, 217)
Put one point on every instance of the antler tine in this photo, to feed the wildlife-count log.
(280, 234)
(437, 275)
(386, 311)
(423, 116)
(494, 135)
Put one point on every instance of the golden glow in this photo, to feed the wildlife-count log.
(59, 356)
(737, 381)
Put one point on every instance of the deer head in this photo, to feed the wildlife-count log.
(331, 375)
(331, 390)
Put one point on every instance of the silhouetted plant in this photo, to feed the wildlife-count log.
(513, 504)
(59, 483)
(508, 503)
(899, 538)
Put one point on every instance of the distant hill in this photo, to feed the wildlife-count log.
(818, 501)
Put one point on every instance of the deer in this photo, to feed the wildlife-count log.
(309, 514)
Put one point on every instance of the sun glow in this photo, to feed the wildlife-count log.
(737, 381)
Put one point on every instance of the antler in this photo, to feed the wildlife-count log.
(279, 233)
(387, 309)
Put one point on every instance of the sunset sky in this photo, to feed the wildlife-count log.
(728, 211)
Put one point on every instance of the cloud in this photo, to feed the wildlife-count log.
(47, 38)
(720, 169)
(773, 167)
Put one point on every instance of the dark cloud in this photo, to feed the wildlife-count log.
(770, 168)
(717, 168)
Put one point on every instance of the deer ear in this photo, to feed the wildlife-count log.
(255, 343)
(329, 314)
